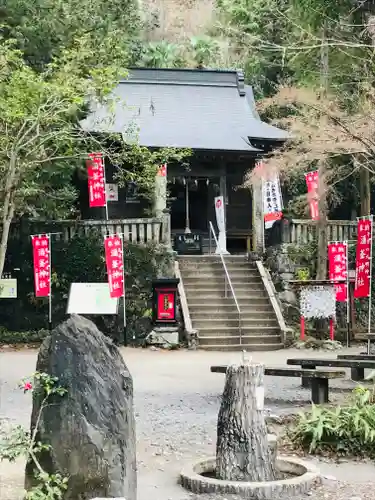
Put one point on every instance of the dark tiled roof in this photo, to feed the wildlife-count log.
(198, 109)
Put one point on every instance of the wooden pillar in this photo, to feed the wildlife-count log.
(242, 450)
(258, 224)
(160, 195)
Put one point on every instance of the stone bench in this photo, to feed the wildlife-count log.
(357, 366)
(319, 379)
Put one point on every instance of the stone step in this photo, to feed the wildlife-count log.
(236, 280)
(215, 296)
(227, 308)
(208, 288)
(218, 273)
(246, 339)
(242, 347)
(232, 321)
(232, 331)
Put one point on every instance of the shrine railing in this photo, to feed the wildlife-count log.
(141, 231)
(301, 231)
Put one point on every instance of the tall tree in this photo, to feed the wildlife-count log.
(43, 27)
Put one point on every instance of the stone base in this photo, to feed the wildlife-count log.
(163, 337)
(305, 477)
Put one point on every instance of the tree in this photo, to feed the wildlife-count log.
(42, 28)
(41, 140)
(323, 132)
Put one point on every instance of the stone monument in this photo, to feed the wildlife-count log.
(91, 429)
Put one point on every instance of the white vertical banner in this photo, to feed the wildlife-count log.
(272, 200)
(220, 221)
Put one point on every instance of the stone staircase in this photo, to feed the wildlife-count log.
(216, 317)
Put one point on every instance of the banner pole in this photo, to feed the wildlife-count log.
(347, 297)
(50, 285)
(105, 189)
(370, 291)
(123, 290)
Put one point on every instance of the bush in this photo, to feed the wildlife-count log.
(80, 260)
(27, 337)
(345, 430)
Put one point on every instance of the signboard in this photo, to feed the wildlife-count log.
(8, 288)
(318, 301)
(272, 201)
(188, 244)
(111, 192)
(91, 298)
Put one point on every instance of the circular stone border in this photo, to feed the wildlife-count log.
(191, 478)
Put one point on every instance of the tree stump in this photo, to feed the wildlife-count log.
(242, 450)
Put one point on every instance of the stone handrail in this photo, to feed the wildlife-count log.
(142, 231)
(191, 334)
(271, 291)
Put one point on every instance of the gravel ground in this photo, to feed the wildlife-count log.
(176, 403)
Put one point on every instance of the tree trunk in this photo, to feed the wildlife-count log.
(322, 226)
(8, 211)
(242, 450)
(365, 192)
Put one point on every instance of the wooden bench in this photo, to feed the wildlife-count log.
(356, 366)
(319, 379)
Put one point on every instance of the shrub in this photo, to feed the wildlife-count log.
(17, 442)
(346, 430)
(80, 260)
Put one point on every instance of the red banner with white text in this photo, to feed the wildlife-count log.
(363, 259)
(338, 268)
(96, 180)
(114, 259)
(42, 265)
(312, 179)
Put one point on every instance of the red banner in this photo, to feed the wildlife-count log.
(363, 259)
(338, 268)
(312, 180)
(114, 259)
(42, 265)
(162, 171)
(96, 180)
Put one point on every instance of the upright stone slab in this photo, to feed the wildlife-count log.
(91, 429)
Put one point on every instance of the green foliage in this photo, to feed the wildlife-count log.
(303, 274)
(205, 50)
(18, 442)
(345, 430)
(80, 260)
(42, 28)
(304, 257)
(25, 337)
(162, 55)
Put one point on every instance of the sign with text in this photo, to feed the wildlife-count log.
(272, 201)
(91, 298)
(96, 180)
(363, 259)
(42, 265)
(312, 180)
(114, 259)
(8, 288)
(338, 268)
